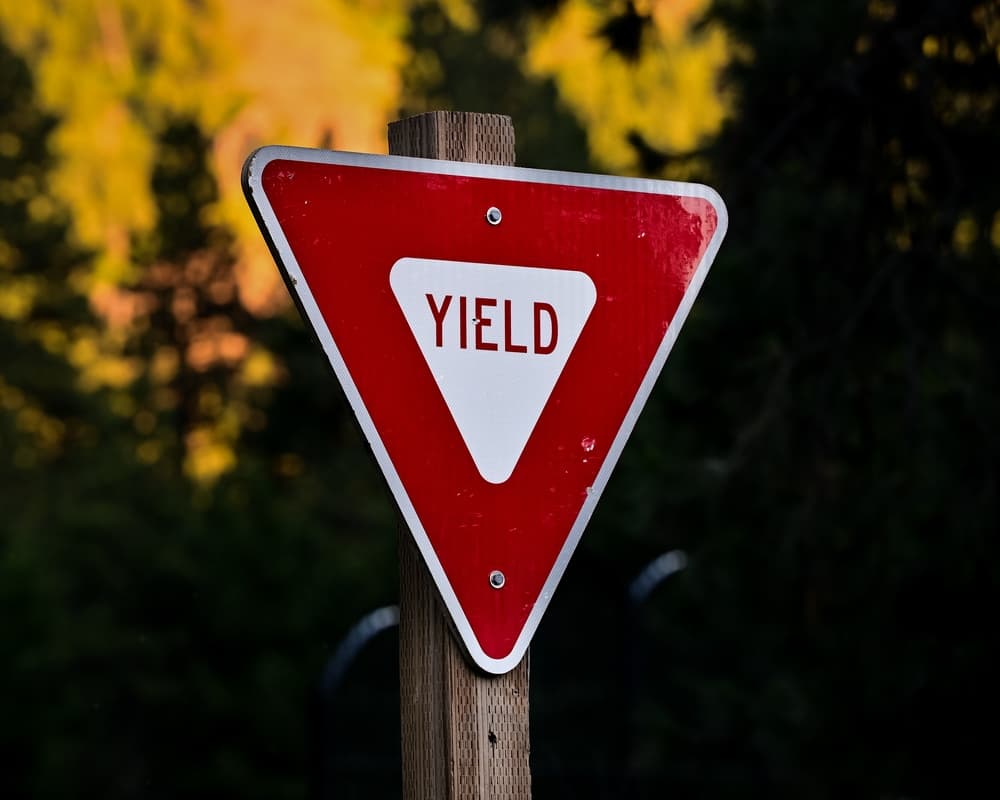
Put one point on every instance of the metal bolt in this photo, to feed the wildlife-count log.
(497, 579)
(493, 215)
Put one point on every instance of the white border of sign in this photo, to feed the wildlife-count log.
(299, 288)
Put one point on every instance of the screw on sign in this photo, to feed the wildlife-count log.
(496, 361)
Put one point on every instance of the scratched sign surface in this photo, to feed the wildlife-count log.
(497, 331)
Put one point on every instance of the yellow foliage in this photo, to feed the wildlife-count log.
(260, 369)
(51, 336)
(10, 145)
(668, 95)
(461, 14)
(672, 17)
(112, 371)
(149, 451)
(41, 208)
(208, 455)
(309, 72)
(99, 364)
(326, 73)
(9, 256)
(45, 433)
(17, 298)
(965, 234)
(306, 72)
(164, 365)
(84, 351)
(11, 398)
(881, 10)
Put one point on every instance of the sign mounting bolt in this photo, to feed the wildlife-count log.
(493, 215)
(497, 579)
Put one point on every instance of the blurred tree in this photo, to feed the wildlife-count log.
(474, 65)
(634, 72)
(116, 73)
(148, 618)
(825, 439)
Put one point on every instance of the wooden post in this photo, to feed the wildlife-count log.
(465, 734)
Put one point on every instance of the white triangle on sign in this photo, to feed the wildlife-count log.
(496, 339)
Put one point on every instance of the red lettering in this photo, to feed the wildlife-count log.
(508, 342)
(540, 349)
(438, 314)
(463, 325)
(545, 341)
(483, 322)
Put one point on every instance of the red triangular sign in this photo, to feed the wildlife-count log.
(497, 331)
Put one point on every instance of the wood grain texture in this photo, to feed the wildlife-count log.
(464, 734)
(455, 136)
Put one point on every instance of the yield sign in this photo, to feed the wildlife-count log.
(497, 331)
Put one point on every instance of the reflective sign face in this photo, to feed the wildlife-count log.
(497, 331)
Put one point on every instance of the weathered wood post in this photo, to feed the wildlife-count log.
(464, 734)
